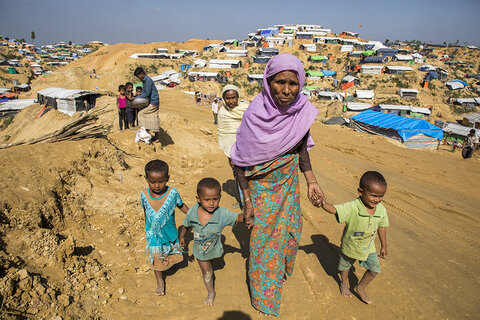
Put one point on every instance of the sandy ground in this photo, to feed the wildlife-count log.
(72, 229)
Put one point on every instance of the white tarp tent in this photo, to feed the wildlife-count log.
(365, 94)
(68, 101)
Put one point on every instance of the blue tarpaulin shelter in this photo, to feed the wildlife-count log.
(329, 73)
(413, 133)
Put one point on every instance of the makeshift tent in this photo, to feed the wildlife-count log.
(220, 63)
(202, 76)
(427, 68)
(358, 106)
(364, 94)
(375, 60)
(371, 69)
(237, 53)
(68, 101)
(314, 75)
(368, 53)
(455, 84)
(14, 106)
(255, 77)
(408, 93)
(316, 59)
(387, 52)
(329, 73)
(261, 59)
(472, 119)
(455, 131)
(397, 69)
(327, 95)
(413, 133)
(268, 52)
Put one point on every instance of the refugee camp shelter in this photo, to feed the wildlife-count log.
(68, 101)
(261, 59)
(375, 60)
(472, 120)
(14, 106)
(387, 52)
(224, 63)
(403, 57)
(371, 69)
(364, 94)
(467, 102)
(454, 131)
(398, 69)
(199, 63)
(162, 50)
(455, 84)
(357, 106)
(427, 68)
(412, 133)
(327, 95)
(317, 59)
(309, 47)
(202, 76)
(237, 53)
(255, 78)
(408, 93)
(268, 52)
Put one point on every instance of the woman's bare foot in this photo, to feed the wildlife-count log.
(363, 295)
(345, 290)
(209, 299)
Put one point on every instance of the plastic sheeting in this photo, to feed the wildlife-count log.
(405, 127)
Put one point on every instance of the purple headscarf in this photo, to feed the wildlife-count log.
(267, 130)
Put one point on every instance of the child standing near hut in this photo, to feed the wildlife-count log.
(159, 202)
(122, 107)
(364, 218)
(131, 111)
(208, 220)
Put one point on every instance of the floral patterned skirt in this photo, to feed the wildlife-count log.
(276, 231)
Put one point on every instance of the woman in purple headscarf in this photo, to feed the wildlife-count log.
(272, 144)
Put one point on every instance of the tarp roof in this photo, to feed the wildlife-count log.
(400, 68)
(16, 104)
(406, 127)
(255, 76)
(455, 128)
(473, 117)
(365, 94)
(358, 106)
(64, 93)
(349, 78)
(318, 58)
(370, 66)
(315, 73)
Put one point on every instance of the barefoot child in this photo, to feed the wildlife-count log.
(364, 217)
(122, 107)
(208, 220)
(159, 202)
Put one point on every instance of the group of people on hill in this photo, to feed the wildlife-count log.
(266, 143)
(128, 115)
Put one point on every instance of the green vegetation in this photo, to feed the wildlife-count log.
(6, 122)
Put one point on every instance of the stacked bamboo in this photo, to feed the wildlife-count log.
(81, 128)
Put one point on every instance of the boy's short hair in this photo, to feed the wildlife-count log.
(208, 183)
(372, 177)
(128, 84)
(138, 71)
(472, 131)
(156, 166)
(121, 87)
(138, 88)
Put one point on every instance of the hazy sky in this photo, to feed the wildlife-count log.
(114, 21)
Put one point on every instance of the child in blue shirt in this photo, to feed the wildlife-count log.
(159, 202)
(208, 220)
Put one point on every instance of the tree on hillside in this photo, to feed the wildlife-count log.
(387, 41)
(32, 35)
(70, 43)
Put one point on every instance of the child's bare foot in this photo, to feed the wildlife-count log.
(160, 288)
(345, 290)
(209, 299)
(363, 295)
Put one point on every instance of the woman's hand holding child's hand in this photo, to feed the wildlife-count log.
(248, 212)
(315, 194)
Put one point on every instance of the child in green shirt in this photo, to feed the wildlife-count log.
(363, 217)
(208, 221)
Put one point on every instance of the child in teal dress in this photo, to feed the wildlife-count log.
(159, 202)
